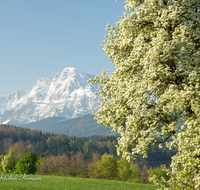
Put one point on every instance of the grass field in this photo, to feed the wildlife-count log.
(69, 183)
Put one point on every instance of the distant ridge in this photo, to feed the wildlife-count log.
(82, 126)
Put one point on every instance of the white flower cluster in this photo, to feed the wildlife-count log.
(154, 94)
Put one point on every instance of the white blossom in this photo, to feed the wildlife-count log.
(154, 94)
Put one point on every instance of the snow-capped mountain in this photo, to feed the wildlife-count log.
(67, 94)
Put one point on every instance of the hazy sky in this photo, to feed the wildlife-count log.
(39, 38)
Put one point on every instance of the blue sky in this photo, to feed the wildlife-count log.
(39, 38)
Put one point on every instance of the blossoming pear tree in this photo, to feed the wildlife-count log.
(154, 93)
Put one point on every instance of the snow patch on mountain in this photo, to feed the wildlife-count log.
(67, 94)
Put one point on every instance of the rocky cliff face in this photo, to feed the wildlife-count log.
(67, 94)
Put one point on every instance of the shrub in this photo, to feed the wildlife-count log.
(13, 156)
(78, 165)
(105, 168)
(128, 171)
(135, 173)
(124, 169)
(1, 166)
(27, 164)
(159, 173)
(8, 163)
(63, 165)
(54, 165)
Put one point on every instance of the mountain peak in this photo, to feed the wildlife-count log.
(70, 69)
(67, 94)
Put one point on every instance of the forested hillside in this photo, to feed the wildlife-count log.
(44, 144)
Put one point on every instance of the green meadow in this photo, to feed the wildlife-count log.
(69, 183)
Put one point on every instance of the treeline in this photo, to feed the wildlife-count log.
(46, 144)
(20, 159)
(99, 167)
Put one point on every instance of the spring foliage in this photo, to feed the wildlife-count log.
(154, 94)
(27, 164)
(14, 154)
(105, 168)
